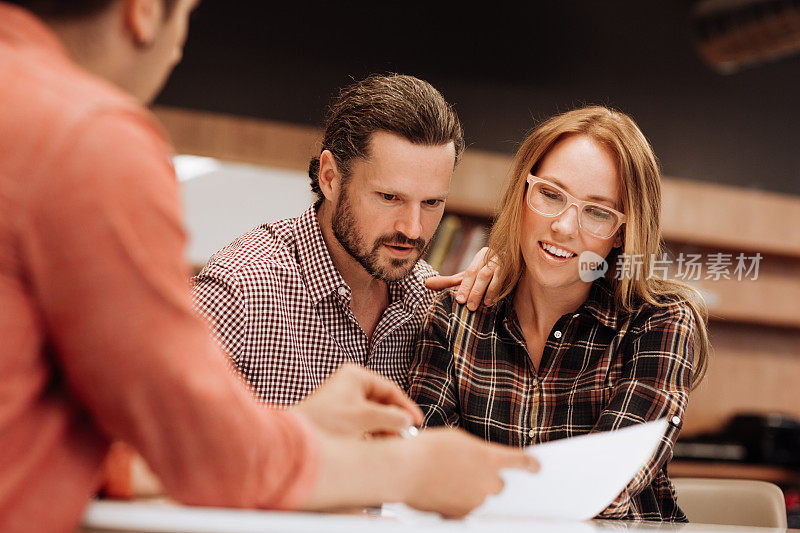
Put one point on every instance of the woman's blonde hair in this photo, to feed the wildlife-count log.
(640, 191)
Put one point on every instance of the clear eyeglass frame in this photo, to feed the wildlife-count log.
(571, 200)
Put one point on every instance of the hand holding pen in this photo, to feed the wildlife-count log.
(356, 402)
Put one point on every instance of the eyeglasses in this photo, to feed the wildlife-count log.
(550, 200)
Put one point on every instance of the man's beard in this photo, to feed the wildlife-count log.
(346, 232)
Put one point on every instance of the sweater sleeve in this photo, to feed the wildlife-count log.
(103, 242)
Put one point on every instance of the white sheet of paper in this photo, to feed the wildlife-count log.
(579, 477)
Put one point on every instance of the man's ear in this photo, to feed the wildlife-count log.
(330, 179)
(144, 19)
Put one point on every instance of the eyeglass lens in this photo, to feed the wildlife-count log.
(550, 201)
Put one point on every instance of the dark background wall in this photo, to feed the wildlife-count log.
(504, 66)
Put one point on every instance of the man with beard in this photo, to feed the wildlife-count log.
(292, 301)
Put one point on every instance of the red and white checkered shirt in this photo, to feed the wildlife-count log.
(281, 310)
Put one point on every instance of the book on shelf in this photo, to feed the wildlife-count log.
(475, 241)
(455, 244)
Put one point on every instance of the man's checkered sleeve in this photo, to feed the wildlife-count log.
(219, 298)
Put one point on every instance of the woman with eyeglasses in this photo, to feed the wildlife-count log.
(584, 337)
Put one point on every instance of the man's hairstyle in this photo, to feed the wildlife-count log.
(403, 105)
(71, 9)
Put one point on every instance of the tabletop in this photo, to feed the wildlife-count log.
(133, 517)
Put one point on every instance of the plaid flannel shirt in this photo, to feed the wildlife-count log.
(281, 311)
(600, 370)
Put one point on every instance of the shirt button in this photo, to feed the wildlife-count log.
(342, 291)
(557, 334)
(676, 420)
(531, 433)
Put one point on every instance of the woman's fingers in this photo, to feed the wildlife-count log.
(438, 283)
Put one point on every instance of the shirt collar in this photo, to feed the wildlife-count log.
(600, 304)
(21, 28)
(315, 260)
(411, 288)
(322, 278)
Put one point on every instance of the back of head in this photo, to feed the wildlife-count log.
(403, 105)
(134, 44)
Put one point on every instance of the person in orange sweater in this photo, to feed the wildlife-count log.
(99, 341)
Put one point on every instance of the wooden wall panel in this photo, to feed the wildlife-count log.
(246, 140)
(478, 183)
(731, 217)
(770, 296)
(753, 369)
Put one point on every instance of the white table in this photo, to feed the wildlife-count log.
(167, 518)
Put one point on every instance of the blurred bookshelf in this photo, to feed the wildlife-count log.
(456, 241)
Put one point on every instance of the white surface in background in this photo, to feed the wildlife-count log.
(222, 200)
(188, 167)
